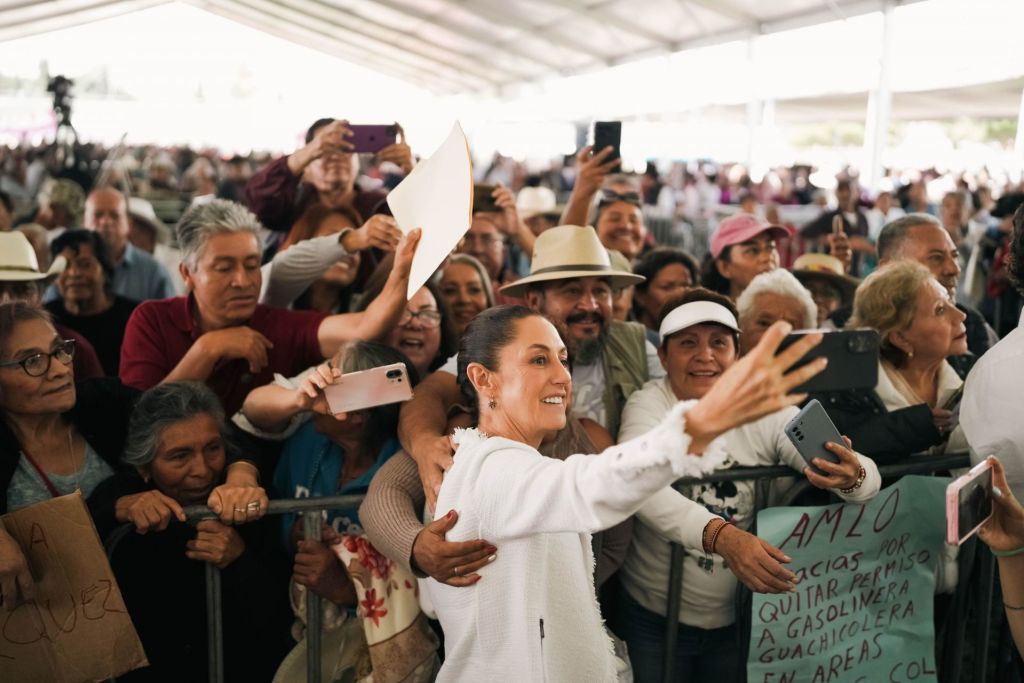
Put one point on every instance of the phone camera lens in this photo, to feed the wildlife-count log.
(394, 374)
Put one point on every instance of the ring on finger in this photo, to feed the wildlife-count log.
(253, 506)
(455, 572)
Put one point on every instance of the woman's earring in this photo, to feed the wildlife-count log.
(492, 404)
(910, 353)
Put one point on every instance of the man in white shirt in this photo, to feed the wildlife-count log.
(990, 412)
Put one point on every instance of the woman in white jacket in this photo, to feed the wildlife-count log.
(699, 346)
(533, 615)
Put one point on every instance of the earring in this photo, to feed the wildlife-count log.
(910, 353)
(492, 404)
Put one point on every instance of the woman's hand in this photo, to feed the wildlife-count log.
(400, 154)
(310, 394)
(754, 561)
(944, 420)
(452, 563)
(14, 573)
(319, 569)
(148, 511)
(215, 543)
(1004, 531)
(754, 386)
(592, 170)
(240, 498)
(379, 231)
(840, 475)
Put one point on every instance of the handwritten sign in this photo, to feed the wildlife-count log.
(862, 611)
(77, 627)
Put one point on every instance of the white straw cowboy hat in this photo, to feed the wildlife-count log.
(569, 251)
(18, 261)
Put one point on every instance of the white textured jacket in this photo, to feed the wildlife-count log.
(533, 616)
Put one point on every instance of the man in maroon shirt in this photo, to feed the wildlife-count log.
(323, 171)
(220, 335)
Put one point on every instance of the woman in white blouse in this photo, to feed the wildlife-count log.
(533, 615)
(699, 345)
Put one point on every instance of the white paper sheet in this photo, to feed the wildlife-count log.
(437, 197)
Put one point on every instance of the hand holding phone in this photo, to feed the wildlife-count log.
(810, 430)
(608, 134)
(969, 503)
(370, 139)
(483, 199)
(369, 389)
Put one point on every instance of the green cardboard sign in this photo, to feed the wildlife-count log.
(862, 611)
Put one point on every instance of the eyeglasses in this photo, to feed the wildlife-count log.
(611, 196)
(428, 317)
(38, 364)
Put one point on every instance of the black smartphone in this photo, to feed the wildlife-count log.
(482, 199)
(852, 359)
(371, 139)
(608, 134)
(810, 430)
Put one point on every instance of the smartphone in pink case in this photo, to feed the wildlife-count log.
(369, 388)
(968, 503)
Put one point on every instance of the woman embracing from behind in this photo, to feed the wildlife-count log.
(533, 613)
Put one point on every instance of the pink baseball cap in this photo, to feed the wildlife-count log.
(740, 228)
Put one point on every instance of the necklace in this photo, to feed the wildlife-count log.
(42, 473)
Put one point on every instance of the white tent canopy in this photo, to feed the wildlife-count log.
(475, 46)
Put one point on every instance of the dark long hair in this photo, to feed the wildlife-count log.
(485, 336)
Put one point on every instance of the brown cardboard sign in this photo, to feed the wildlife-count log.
(77, 628)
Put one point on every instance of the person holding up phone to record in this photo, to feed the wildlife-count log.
(324, 171)
(699, 335)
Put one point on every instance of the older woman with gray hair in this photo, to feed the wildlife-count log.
(909, 410)
(176, 453)
(770, 297)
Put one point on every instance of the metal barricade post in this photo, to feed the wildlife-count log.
(913, 465)
(310, 509)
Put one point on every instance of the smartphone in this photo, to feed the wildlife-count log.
(852, 359)
(371, 139)
(369, 388)
(968, 503)
(608, 134)
(837, 225)
(482, 199)
(810, 430)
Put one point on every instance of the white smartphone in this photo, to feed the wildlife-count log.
(968, 503)
(369, 389)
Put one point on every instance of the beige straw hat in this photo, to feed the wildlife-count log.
(569, 251)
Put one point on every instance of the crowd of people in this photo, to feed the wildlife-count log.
(170, 321)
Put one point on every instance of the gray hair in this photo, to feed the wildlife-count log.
(203, 221)
(162, 406)
(894, 234)
(783, 283)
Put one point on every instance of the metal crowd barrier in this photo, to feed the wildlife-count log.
(310, 509)
(913, 465)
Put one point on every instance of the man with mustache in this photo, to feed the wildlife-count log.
(921, 237)
(571, 282)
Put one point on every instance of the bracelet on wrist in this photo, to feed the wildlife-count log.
(861, 476)
(714, 537)
(1008, 553)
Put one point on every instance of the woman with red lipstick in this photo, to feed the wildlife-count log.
(910, 409)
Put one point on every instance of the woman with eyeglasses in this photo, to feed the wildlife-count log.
(55, 436)
(425, 332)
